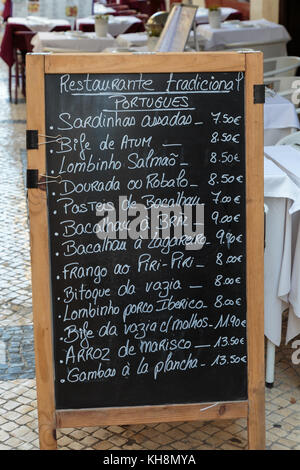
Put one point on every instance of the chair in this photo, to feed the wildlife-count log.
(281, 66)
(20, 37)
(86, 27)
(22, 45)
(293, 140)
(124, 13)
(285, 86)
(146, 6)
(7, 10)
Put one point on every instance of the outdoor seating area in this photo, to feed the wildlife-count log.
(141, 29)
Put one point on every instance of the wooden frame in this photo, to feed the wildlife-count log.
(49, 418)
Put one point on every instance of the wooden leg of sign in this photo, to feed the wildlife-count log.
(255, 255)
(37, 204)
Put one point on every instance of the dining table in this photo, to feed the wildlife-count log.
(71, 41)
(288, 159)
(235, 32)
(116, 24)
(282, 248)
(38, 23)
(29, 24)
(280, 118)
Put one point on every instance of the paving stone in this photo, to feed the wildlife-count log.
(176, 434)
(162, 427)
(3, 435)
(163, 439)
(180, 445)
(116, 429)
(139, 438)
(150, 445)
(105, 445)
(117, 440)
(64, 441)
(88, 441)
(102, 434)
(9, 426)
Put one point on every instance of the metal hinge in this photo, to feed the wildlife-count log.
(259, 94)
(32, 179)
(32, 140)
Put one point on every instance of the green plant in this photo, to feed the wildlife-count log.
(214, 8)
(154, 30)
(102, 17)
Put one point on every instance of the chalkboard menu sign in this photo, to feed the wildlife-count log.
(147, 303)
(148, 234)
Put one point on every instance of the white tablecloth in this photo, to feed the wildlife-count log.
(37, 24)
(202, 14)
(287, 158)
(282, 252)
(259, 31)
(71, 41)
(280, 119)
(116, 24)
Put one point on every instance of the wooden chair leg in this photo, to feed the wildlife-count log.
(10, 83)
(23, 76)
(16, 79)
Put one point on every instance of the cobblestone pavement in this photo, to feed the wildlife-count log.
(18, 411)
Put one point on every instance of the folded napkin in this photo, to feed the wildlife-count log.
(102, 9)
(38, 19)
(132, 39)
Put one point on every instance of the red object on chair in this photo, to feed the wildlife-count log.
(136, 28)
(242, 7)
(7, 11)
(124, 13)
(86, 27)
(143, 17)
(144, 6)
(116, 6)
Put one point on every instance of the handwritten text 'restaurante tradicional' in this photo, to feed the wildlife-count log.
(90, 85)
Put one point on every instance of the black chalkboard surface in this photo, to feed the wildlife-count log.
(147, 309)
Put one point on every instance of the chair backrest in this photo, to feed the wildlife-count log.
(22, 40)
(292, 139)
(117, 7)
(284, 66)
